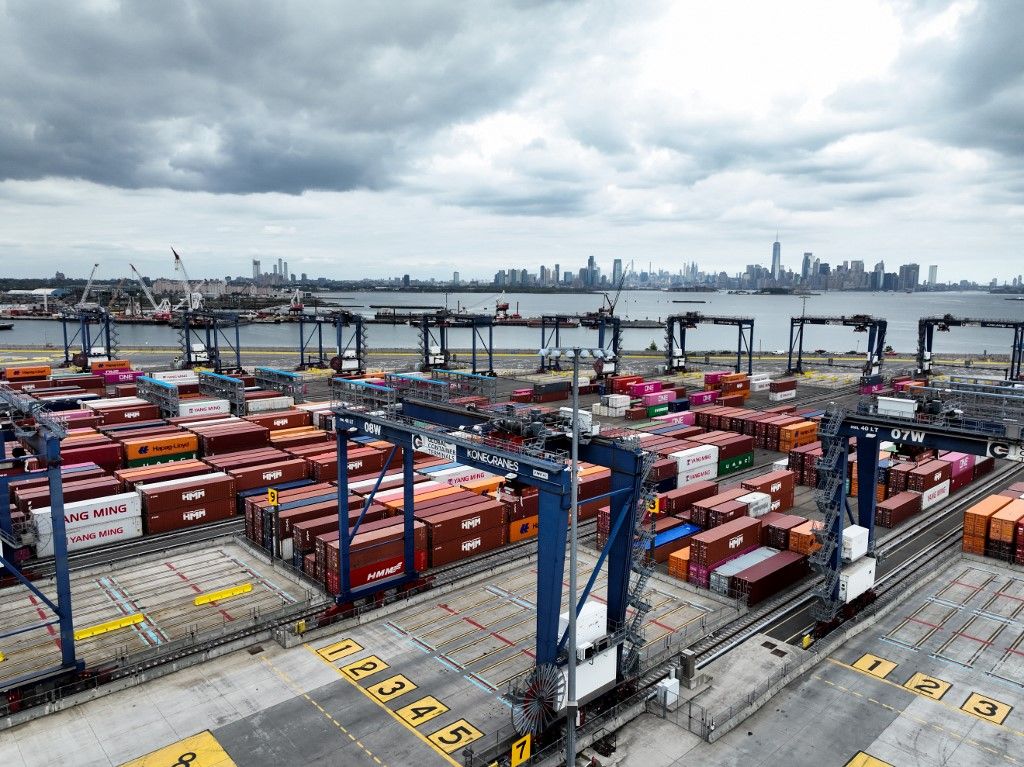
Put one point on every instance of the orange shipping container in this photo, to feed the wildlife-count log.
(26, 372)
(977, 517)
(802, 540)
(149, 447)
(100, 365)
(1004, 521)
(521, 529)
(483, 486)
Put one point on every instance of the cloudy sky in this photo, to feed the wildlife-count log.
(371, 139)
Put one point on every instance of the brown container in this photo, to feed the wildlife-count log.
(713, 546)
(777, 530)
(177, 518)
(232, 438)
(897, 509)
(77, 490)
(282, 419)
(780, 485)
(269, 474)
(457, 549)
(682, 499)
(192, 467)
(452, 524)
(242, 458)
(726, 512)
(767, 578)
(782, 384)
(192, 491)
(928, 475)
(701, 508)
(131, 414)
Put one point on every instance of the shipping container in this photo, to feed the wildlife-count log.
(109, 508)
(763, 580)
(856, 579)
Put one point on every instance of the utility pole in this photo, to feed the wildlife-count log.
(571, 705)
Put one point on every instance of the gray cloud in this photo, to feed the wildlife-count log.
(250, 96)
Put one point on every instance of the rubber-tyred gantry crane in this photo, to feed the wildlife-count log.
(926, 327)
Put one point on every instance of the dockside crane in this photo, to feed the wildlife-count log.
(161, 311)
(83, 302)
(192, 300)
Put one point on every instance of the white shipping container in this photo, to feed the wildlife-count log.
(856, 578)
(695, 457)
(591, 623)
(759, 377)
(190, 408)
(932, 496)
(855, 543)
(616, 400)
(176, 376)
(709, 471)
(107, 531)
(762, 385)
(781, 396)
(897, 408)
(781, 464)
(181, 481)
(270, 403)
(586, 418)
(79, 514)
(114, 402)
(456, 476)
(758, 504)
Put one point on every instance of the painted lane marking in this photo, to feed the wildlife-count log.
(363, 668)
(422, 711)
(929, 686)
(874, 665)
(289, 682)
(391, 688)
(390, 713)
(202, 750)
(986, 708)
(339, 650)
(862, 759)
(455, 736)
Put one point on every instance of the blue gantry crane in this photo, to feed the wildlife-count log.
(609, 339)
(347, 356)
(528, 450)
(960, 424)
(434, 349)
(676, 326)
(927, 326)
(30, 425)
(871, 371)
(89, 333)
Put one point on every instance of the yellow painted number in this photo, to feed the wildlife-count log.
(272, 497)
(928, 686)
(422, 711)
(866, 760)
(391, 688)
(986, 708)
(872, 664)
(363, 668)
(455, 736)
(339, 650)
(200, 750)
(521, 750)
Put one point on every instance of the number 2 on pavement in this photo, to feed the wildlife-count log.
(363, 668)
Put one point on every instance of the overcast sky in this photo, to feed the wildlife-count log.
(371, 139)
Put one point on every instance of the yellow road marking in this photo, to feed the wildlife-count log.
(866, 760)
(989, 709)
(939, 702)
(220, 596)
(339, 650)
(422, 711)
(200, 750)
(298, 690)
(455, 736)
(391, 688)
(929, 686)
(363, 668)
(114, 625)
(391, 713)
(874, 665)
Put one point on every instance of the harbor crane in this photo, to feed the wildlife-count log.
(161, 311)
(192, 300)
(84, 301)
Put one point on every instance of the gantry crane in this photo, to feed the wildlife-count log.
(676, 326)
(161, 311)
(84, 301)
(871, 371)
(192, 300)
(926, 327)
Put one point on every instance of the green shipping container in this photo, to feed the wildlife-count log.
(729, 465)
(653, 410)
(159, 459)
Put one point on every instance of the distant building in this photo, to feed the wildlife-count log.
(255, 268)
(805, 267)
(776, 258)
(616, 271)
(455, 278)
(933, 275)
(909, 277)
(405, 280)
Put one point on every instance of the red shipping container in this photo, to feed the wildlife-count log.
(267, 475)
(188, 516)
(282, 419)
(454, 550)
(188, 492)
(711, 547)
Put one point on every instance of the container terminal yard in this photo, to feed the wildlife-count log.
(216, 563)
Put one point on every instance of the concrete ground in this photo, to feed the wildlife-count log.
(939, 681)
(414, 688)
(161, 587)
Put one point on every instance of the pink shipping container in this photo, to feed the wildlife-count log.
(658, 398)
(715, 376)
(687, 418)
(111, 377)
(959, 463)
(641, 388)
(703, 397)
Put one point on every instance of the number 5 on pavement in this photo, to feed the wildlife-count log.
(455, 736)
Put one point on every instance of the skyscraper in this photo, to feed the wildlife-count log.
(255, 268)
(616, 271)
(591, 275)
(285, 273)
(933, 275)
(776, 258)
(909, 277)
(805, 267)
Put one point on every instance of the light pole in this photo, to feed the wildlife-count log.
(575, 354)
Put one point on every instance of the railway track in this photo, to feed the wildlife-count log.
(900, 559)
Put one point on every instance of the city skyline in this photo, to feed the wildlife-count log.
(474, 137)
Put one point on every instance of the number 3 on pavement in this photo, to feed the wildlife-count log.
(985, 708)
(455, 736)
